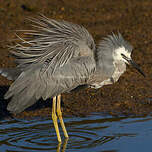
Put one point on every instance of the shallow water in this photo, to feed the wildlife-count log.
(93, 133)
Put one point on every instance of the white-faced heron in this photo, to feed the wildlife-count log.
(59, 56)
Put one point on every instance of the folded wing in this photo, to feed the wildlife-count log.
(33, 84)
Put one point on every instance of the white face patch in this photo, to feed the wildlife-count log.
(121, 50)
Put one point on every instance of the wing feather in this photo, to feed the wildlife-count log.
(53, 41)
(31, 86)
(56, 57)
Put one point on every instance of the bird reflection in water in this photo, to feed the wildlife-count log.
(63, 146)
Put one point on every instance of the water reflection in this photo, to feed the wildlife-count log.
(63, 147)
(92, 133)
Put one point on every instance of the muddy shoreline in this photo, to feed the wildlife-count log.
(131, 95)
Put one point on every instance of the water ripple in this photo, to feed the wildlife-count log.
(93, 133)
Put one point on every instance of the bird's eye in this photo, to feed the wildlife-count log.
(123, 56)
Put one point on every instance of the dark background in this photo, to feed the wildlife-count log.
(131, 95)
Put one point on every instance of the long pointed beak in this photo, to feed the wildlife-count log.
(136, 66)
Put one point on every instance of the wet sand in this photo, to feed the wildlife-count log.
(131, 95)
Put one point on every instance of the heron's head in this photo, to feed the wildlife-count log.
(122, 52)
(115, 48)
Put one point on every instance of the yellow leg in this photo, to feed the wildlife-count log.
(59, 113)
(54, 118)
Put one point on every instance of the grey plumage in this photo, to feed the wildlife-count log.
(58, 57)
(54, 44)
(10, 73)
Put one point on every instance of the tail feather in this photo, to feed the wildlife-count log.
(18, 103)
(10, 73)
(18, 85)
(25, 91)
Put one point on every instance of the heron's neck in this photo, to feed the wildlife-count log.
(105, 65)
